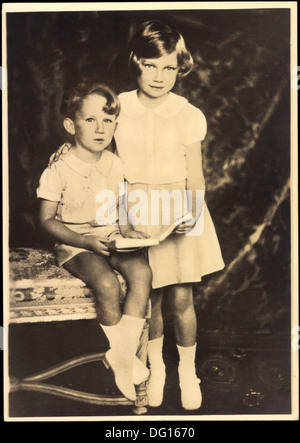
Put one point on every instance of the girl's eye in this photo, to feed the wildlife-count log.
(171, 68)
(147, 65)
(89, 120)
(107, 120)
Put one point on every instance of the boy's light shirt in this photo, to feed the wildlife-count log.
(75, 185)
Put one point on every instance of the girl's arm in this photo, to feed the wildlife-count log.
(195, 178)
(195, 183)
(64, 235)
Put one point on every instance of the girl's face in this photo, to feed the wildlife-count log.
(93, 128)
(158, 75)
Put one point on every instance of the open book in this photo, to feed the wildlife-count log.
(129, 244)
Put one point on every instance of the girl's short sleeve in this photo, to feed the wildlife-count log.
(50, 187)
(195, 125)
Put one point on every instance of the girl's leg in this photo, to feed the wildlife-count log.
(185, 325)
(156, 384)
(156, 323)
(185, 322)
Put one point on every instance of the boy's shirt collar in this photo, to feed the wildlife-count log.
(84, 169)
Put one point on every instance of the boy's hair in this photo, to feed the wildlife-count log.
(72, 100)
(154, 39)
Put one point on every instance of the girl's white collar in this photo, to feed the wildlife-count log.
(131, 105)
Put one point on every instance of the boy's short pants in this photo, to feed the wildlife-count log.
(65, 252)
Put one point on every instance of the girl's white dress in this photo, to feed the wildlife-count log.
(152, 144)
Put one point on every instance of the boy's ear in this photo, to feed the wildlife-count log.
(69, 126)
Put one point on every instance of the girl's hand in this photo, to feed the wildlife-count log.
(61, 150)
(97, 245)
(131, 233)
(183, 228)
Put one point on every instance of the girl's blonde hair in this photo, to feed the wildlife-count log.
(154, 39)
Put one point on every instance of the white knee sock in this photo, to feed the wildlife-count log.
(112, 333)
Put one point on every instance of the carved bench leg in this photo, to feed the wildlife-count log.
(37, 383)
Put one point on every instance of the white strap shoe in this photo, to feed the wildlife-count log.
(156, 384)
(191, 396)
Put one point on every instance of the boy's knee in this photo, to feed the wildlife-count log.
(148, 273)
(141, 271)
(144, 273)
(108, 285)
(140, 280)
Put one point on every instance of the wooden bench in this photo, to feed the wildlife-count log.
(40, 291)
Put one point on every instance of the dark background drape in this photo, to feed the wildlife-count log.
(241, 83)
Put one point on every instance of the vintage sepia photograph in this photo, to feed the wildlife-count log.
(150, 217)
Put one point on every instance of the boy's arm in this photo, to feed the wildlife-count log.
(64, 235)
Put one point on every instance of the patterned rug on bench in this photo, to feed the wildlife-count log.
(41, 291)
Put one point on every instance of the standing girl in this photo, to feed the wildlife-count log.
(70, 190)
(159, 140)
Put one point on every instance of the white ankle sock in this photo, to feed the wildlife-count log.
(187, 354)
(155, 349)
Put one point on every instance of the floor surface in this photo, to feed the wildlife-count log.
(235, 380)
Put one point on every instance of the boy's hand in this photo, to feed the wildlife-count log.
(97, 245)
(131, 233)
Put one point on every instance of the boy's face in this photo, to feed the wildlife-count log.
(158, 75)
(93, 128)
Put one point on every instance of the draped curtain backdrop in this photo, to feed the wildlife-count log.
(241, 83)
